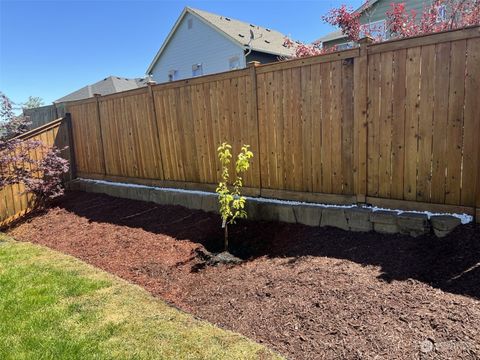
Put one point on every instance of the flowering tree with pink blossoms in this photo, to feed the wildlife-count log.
(40, 175)
(440, 15)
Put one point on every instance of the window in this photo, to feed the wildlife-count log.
(197, 70)
(172, 75)
(441, 13)
(234, 63)
(190, 23)
(375, 29)
(345, 46)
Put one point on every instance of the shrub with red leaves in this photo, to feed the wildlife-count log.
(440, 15)
(42, 175)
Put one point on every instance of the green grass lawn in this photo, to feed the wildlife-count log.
(53, 306)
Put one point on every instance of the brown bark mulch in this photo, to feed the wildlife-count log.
(309, 293)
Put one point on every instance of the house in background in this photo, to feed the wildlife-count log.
(202, 43)
(373, 15)
(109, 85)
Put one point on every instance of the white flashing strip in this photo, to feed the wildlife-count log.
(464, 218)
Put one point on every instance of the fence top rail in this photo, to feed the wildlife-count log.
(426, 39)
(202, 79)
(40, 129)
(32, 110)
(310, 60)
(139, 91)
(81, 101)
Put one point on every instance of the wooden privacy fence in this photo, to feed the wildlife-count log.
(14, 201)
(394, 124)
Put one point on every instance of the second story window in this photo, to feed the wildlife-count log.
(197, 70)
(441, 13)
(375, 29)
(234, 63)
(172, 75)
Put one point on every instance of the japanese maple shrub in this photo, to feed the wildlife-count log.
(29, 162)
(231, 201)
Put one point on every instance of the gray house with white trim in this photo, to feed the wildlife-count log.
(373, 15)
(202, 43)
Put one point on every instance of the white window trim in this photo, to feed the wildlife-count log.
(375, 24)
(172, 75)
(233, 59)
(195, 67)
(441, 13)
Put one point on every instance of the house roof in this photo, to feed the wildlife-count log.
(109, 85)
(337, 34)
(334, 35)
(265, 40)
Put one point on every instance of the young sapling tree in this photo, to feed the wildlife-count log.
(231, 201)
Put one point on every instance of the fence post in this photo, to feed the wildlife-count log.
(360, 122)
(254, 101)
(102, 150)
(71, 148)
(151, 98)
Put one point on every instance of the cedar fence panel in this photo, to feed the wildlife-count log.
(394, 124)
(423, 123)
(195, 116)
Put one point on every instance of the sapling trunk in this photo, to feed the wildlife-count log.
(225, 241)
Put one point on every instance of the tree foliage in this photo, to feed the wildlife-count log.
(439, 15)
(232, 203)
(33, 102)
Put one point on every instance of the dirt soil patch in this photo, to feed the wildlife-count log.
(309, 293)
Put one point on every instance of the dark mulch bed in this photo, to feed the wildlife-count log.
(306, 292)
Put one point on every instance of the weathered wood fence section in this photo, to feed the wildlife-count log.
(14, 201)
(394, 124)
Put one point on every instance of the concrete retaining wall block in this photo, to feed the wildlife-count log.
(308, 214)
(358, 219)
(413, 224)
(334, 217)
(444, 224)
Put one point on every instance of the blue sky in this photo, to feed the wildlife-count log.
(51, 48)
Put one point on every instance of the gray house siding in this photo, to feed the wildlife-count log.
(194, 42)
(379, 9)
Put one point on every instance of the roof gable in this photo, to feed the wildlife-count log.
(109, 85)
(265, 40)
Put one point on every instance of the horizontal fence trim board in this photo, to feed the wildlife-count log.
(311, 60)
(202, 79)
(309, 197)
(8, 221)
(427, 39)
(80, 101)
(40, 129)
(248, 191)
(419, 206)
(123, 94)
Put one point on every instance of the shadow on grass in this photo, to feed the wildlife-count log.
(451, 264)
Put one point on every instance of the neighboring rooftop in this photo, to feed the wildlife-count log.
(265, 40)
(334, 35)
(109, 85)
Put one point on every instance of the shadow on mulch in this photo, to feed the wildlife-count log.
(451, 264)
